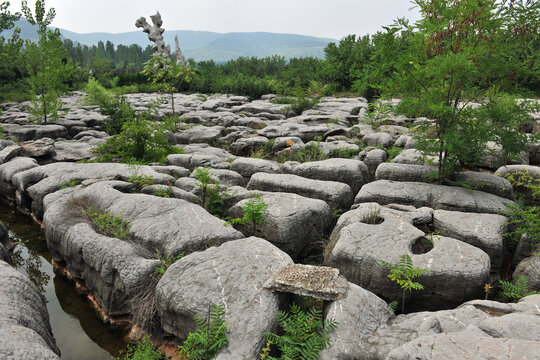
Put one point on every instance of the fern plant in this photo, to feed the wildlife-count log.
(403, 274)
(518, 290)
(306, 334)
(210, 337)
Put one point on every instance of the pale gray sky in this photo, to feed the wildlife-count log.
(323, 18)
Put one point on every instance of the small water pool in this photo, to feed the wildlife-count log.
(79, 334)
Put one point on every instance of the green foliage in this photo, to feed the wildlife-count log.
(518, 290)
(163, 192)
(254, 211)
(209, 339)
(393, 152)
(166, 261)
(211, 194)
(2, 134)
(168, 74)
(372, 217)
(143, 350)
(299, 102)
(377, 112)
(140, 180)
(47, 66)
(525, 219)
(306, 335)
(459, 53)
(393, 305)
(107, 223)
(142, 140)
(403, 274)
(69, 184)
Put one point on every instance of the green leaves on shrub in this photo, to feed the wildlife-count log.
(254, 211)
(305, 334)
(143, 350)
(403, 274)
(107, 223)
(211, 194)
(518, 290)
(209, 339)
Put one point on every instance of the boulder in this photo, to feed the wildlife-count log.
(456, 271)
(374, 158)
(9, 169)
(249, 166)
(337, 195)
(413, 156)
(405, 172)
(43, 180)
(438, 197)
(351, 172)
(484, 231)
(319, 282)
(530, 268)
(293, 223)
(9, 152)
(199, 134)
(249, 145)
(232, 276)
(25, 331)
(378, 139)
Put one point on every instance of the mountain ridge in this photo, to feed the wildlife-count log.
(202, 45)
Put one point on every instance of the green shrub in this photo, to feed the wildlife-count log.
(165, 261)
(211, 197)
(254, 211)
(142, 140)
(141, 181)
(393, 152)
(163, 192)
(306, 335)
(377, 112)
(525, 219)
(403, 274)
(210, 337)
(143, 350)
(517, 291)
(69, 184)
(107, 223)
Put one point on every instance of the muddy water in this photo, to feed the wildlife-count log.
(79, 334)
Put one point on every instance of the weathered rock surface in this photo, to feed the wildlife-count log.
(351, 172)
(434, 196)
(25, 331)
(319, 282)
(337, 195)
(456, 271)
(293, 223)
(232, 276)
(249, 166)
(43, 180)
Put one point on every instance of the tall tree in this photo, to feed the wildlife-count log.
(47, 64)
(459, 54)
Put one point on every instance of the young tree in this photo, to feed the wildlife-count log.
(47, 65)
(10, 50)
(460, 53)
(168, 74)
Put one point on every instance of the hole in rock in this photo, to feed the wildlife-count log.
(422, 245)
(372, 218)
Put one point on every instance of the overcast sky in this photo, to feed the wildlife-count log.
(323, 18)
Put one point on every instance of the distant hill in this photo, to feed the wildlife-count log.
(204, 45)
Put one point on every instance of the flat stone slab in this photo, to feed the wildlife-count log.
(319, 282)
(433, 196)
(337, 195)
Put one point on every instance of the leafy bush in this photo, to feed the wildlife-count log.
(166, 261)
(211, 197)
(210, 337)
(107, 223)
(142, 140)
(517, 291)
(306, 335)
(143, 350)
(254, 211)
(163, 192)
(525, 219)
(141, 181)
(69, 184)
(393, 152)
(403, 274)
(377, 112)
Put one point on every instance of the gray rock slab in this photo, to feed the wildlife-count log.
(292, 222)
(249, 166)
(232, 276)
(530, 268)
(484, 231)
(378, 139)
(434, 196)
(9, 152)
(351, 172)
(43, 180)
(337, 195)
(25, 331)
(199, 134)
(319, 282)
(457, 271)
